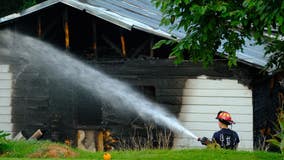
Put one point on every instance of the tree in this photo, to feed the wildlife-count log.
(7, 7)
(213, 24)
(11, 6)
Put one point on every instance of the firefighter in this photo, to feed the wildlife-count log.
(225, 137)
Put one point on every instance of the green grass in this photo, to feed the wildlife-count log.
(22, 149)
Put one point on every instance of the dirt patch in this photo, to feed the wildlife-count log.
(54, 151)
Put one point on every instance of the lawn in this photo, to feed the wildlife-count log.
(44, 149)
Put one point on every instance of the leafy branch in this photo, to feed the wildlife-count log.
(214, 25)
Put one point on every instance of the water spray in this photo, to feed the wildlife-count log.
(118, 94)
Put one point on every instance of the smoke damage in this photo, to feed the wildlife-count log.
(55, 62)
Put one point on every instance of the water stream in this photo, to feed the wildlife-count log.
(117, 93)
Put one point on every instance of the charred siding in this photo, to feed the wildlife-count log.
(55, 105)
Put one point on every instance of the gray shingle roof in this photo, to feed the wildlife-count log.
(137, 14)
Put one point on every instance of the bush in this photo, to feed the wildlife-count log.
(3, 142)
(278, 138)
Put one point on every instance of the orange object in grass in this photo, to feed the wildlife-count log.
(107, 156)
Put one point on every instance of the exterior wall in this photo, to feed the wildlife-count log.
(42, 101)
(204, 98)
(5, 99)
(38, 98)
(264, 110)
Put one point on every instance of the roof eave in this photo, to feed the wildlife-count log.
(29, 10)
(99, 12)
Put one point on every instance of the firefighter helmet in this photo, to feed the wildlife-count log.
(225, 117)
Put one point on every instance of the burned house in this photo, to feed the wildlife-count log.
(117, 37)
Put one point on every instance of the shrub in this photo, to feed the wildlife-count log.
(3, 141)
(278, 138)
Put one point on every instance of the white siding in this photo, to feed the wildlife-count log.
(203, 98)
(5, 99)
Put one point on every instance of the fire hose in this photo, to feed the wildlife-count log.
(204, 140)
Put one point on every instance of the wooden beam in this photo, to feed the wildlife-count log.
(80, 138)
(111, 44)
(100, 141)
(66, 29)
(39, 27)
(94, 44)
(139, 49)
(123, 47)
(50, 26)
(19, 136)
(37, 134)
(151, 46)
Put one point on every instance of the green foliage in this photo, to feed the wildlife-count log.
(3, 141)
(213, 24)
(3, 136)
(28, 3)
(278, 138)
(11, 6)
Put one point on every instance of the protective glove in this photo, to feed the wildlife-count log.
(204, 140)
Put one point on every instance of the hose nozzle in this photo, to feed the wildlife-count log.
(203, 140)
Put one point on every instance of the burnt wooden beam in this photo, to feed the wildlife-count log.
(139, 49)
(111, 44)
(49, 27)
(151, 46)
(66, 28)
(39, 27)
(94, 43)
